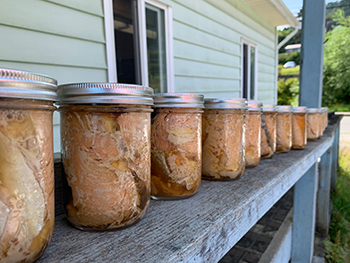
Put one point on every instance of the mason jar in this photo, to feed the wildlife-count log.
(27, 213)
(105, 133)
(299, 127)
(253, 134)
(223, 139)
(313, 127)
(284, 129)
(176, 145)
(268, 130)
(325, 117)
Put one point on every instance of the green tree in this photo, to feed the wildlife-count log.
(288, 91)
(336, 69)
(282, 34)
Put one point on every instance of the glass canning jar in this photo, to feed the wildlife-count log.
(284, 129)
(325, 117)
(299, 127)
(223, 139)
(27, 213)
(105, 134)
(268, 130)
(313, 127)
(176, 145)
(253, 134)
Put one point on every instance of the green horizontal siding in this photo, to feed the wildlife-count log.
(207, 47)
(50, 18)
(63, 39)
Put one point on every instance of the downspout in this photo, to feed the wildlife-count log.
(287, 38)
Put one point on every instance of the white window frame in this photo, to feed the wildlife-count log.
(110, 44)
(250, 44)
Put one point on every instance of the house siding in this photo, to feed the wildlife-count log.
(207, 48)
(64, 39)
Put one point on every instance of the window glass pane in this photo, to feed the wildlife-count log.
(156, 51)
(245, 71)
(252, 73)
(126, 41)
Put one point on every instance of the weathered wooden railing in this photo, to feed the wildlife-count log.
(203, 228)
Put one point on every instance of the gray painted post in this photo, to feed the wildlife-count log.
(323, 193)
(311, 57)
(335, 157)
(304, 217)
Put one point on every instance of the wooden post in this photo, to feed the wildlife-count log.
(323, 193)
(304, 217)
(311, 57)
(335, 156)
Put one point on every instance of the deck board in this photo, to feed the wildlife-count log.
(199, 229)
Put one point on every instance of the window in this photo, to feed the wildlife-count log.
(249, 71)
(139, 43)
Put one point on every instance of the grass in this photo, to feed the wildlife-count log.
(288, 71)
(340, 107)
(338, 245)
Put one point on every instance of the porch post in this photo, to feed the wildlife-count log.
(304, 217)
(323, 216)
(311, 56)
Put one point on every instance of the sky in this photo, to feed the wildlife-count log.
(295, 5)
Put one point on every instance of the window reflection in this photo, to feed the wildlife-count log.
(156, 51)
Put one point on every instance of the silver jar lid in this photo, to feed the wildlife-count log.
(284, 108)
(254, 106)
(104, 93)
(300, 109)
(324, 109)
(232, 103)
(178, 100)
(27, 85)
(313, 110)
(269, 108)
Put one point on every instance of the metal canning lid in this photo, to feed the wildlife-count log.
(231, 103)
(27, 85)
(313, 110)
(269, 108)
(284, 108)
(178, 100)
(254, 106)
(301, 109)
(104, 93)
(324, 109)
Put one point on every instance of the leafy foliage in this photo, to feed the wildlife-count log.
(284, 57)
(332, 8)
(336, 69)
(288, 91)
(285, 32)
(338, 247)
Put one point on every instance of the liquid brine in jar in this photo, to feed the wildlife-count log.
(284, 129)
(223, 139)
(176, 145)
(105, 133)
(268, 130)
(27, 213)
(299, 127)
(253, 134)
